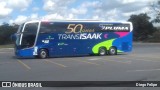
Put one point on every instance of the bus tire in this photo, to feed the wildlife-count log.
(102, 51)
(43, 53)
(112, 51)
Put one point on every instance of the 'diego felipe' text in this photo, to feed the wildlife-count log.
(146, 84)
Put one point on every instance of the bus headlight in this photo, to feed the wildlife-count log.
(35, 50)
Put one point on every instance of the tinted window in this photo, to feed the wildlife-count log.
(29, 35)
(31, 28)
(106, 27)
(50, 27)
(20, 28)
(116, 27)
(62, 27)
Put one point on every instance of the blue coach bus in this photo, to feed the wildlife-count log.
(66, 38)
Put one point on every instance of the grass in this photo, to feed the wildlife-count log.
(7, 46)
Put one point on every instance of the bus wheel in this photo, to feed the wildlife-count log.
(112, 51)
(102, 51)
(43, 54)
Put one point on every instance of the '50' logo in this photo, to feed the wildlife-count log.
(74, 28)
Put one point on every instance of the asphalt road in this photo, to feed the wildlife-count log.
(142, 64)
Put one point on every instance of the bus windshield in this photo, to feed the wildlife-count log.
(28, 35)
(19, 34)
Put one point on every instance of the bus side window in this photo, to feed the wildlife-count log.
(53, 27)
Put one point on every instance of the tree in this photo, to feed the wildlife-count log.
(155, 5)
(142, 27)
(6, 31)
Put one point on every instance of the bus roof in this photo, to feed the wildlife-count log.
(83, 21)
(123, 22)
(76, 20)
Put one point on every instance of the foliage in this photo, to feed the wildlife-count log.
(155, 38)
(156, 9)
(6, 31)
(142, 27)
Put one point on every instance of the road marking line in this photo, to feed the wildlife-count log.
(93, 59)
(138, 59)
(6, 48)
(144, 70)
(88, 62)
(122, 57)
(84, 61)
(5, 52)
(145, 57)
(5, 62)
(126, 62)
(55, 63)
(25, 65)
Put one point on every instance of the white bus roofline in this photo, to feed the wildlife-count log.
(82, 20)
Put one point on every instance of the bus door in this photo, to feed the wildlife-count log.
(28, 38)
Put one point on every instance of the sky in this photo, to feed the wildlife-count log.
(19, 11)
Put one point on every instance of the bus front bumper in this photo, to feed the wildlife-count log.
(25, 53)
